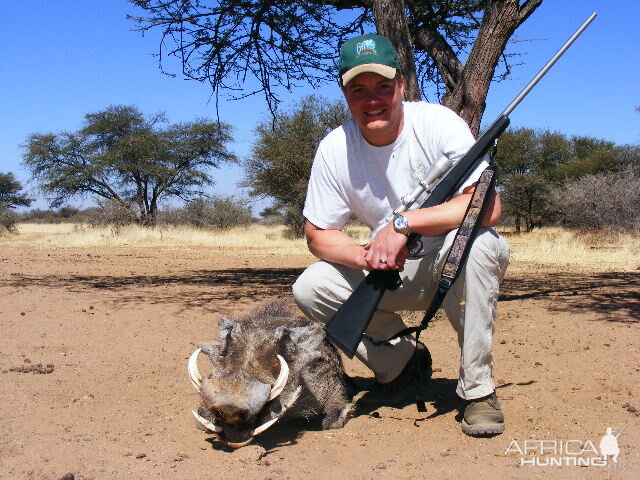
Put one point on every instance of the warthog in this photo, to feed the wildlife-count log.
(269, 365)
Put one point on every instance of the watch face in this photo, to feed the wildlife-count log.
(400, 223)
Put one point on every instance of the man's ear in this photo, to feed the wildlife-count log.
(400, 81)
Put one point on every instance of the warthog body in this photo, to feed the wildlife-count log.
(249, 389)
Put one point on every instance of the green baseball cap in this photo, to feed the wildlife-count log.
(367, 53)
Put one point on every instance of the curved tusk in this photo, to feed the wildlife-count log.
(265, 426)
(281, 381)
(239, 444)
(194, 373)
(211, 426)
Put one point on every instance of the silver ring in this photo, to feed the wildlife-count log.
(383, 261)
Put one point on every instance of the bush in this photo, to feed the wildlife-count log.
(217, 212)
(8, 220)
(113, 213)
(600, 201)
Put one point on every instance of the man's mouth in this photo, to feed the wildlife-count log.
(373, 113)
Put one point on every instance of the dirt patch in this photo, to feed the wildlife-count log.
(112, 328)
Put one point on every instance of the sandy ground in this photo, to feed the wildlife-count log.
(113, 327)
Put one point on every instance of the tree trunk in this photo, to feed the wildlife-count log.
(467, 85)
(391, 21)
(499, 21)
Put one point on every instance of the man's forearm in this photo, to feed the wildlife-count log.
(334, 246)
(443, 218)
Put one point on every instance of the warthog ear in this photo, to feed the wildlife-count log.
(210, 349)
(286, 346)
(225, 327)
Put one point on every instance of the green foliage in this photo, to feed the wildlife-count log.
(532, 163)
(283, 152)
(122, 156)
(593, 156)
(216, 212)
(10, 198)
(527, 160)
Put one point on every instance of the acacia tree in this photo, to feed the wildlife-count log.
(281, 157)
(10, 196)
(125, 157)
(530, 163)
(278, 44)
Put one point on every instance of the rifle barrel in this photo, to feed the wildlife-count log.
(549, 64)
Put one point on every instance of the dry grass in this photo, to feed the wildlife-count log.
(562, 248)
(547, 246)
(253, 239)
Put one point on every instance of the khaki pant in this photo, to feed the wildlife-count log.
(470, 306)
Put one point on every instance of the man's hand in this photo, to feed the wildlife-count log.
(387, 251)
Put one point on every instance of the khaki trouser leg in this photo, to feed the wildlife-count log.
(322, 289)
(470, 306)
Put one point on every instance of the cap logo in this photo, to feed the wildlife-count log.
(366, 47)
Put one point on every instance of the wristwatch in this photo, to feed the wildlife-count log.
(401, 224)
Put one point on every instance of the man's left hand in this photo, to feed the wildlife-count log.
(387, 251)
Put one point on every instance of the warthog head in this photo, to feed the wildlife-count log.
(258, 365)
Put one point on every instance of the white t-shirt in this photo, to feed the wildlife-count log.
(349, 175)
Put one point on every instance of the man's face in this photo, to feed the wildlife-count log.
(376, 105)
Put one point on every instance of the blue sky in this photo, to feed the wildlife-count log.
(66, 58)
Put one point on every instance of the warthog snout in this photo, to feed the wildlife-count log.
(234, 407)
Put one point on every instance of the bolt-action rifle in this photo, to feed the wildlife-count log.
(441, 181)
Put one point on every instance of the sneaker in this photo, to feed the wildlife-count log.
(483, 416)
(408, 387)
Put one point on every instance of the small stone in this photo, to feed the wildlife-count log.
(632, 409)
(141, 455)
(68, 476)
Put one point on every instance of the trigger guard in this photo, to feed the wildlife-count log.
(415, 247)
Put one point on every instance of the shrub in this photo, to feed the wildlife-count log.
(600, 201)
(217, 212)
(111, 212)
(8, 220)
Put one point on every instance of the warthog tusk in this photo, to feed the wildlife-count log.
(211, 426)
(262, 428)
(194, 373)
(276, 389)
(239, 444)
(281, 381)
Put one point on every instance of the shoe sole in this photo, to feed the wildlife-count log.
(482, 429)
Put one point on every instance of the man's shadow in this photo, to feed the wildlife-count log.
(438, 393)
